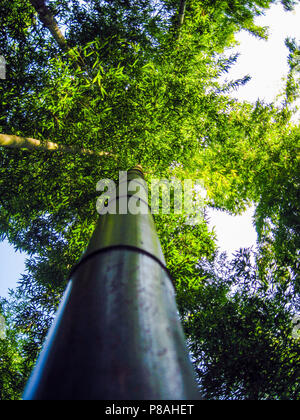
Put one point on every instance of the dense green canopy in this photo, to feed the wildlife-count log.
(137, 81)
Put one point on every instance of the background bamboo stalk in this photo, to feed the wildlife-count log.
(10, 140)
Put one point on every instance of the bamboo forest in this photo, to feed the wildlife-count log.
(89, 90)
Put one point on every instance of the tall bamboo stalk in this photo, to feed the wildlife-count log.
(117, 335)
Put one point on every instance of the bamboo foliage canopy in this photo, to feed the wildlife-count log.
(93, 88)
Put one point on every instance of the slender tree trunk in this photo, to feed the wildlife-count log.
(47, 18)
(34, 144)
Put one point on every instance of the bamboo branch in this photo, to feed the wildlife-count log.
(18, 142)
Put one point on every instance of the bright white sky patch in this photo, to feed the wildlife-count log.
(233, 232)
(266, 61)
